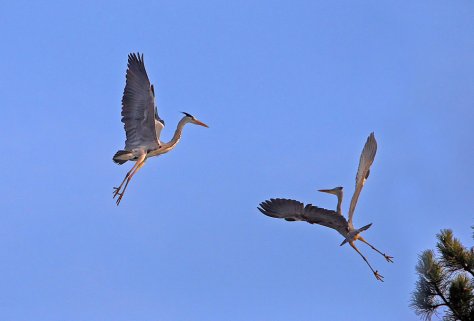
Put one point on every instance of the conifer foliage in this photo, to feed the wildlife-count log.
(446, 281)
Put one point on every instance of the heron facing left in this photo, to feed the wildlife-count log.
(142, 124)
(292, 210)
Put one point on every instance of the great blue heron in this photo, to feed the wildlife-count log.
(142, 123)
(292, 210)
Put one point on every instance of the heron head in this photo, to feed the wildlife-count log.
(335, 190)
(191, 119)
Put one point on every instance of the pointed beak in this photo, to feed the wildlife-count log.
(330, 191)
(200, 123)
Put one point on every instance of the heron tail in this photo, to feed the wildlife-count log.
(122, 156)
(363, 228)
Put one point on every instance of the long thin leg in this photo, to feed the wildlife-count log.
(128, 181)
(387, 257)
(376, 273)
(139, 164)
(117, 189)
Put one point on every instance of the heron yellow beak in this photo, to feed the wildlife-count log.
(200, 123)
(330, 191)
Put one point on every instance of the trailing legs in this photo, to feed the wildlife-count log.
(138, 164)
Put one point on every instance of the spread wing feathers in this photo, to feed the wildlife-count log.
(366, 159)
(292, 210)
(138, 107)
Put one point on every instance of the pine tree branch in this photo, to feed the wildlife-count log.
(454, 255)
(446, 302)
(435, 306)
(443, 281)
(469, 271)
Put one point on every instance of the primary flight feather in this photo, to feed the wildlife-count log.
(292, 210)
(142, 123)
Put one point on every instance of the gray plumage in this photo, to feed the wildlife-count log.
(142, 122)
(366, 159)
(292, 210)
(138, 107)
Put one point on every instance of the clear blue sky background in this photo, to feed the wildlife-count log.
(290, 90)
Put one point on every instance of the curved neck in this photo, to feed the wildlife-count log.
(177, 135)
(340, 195)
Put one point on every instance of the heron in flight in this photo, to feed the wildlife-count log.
(292, 210)
(142, 124)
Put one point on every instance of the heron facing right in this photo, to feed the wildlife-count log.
(292, 210)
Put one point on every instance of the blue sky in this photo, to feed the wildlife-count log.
(290, 90)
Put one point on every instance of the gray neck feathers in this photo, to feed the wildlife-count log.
(340, 195)
(177, 134)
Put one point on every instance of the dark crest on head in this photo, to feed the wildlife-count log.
(189, 115)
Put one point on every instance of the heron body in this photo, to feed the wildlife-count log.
(292, 210)
(142, 123)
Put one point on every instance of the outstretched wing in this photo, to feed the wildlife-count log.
(366, 159)
(138, 107)
(292, 210)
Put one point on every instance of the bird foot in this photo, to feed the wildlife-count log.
(378, 276)
(388, 258)
(117, 192)
(119, 198)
